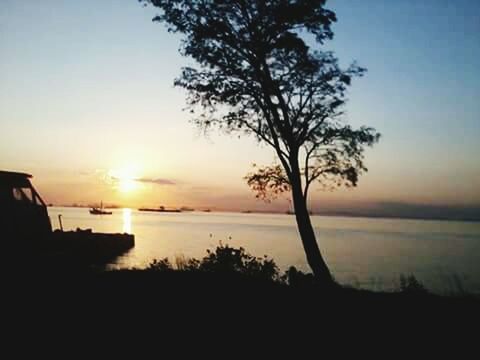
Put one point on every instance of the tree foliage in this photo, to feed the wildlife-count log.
(258, 75)
(268, 182)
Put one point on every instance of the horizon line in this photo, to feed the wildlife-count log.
(372, 215)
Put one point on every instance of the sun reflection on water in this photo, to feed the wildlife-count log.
(127, 221)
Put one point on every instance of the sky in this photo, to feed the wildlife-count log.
(86, 94)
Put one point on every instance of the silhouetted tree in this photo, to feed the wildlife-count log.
(257, 75)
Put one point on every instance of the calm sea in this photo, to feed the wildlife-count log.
(363, 252)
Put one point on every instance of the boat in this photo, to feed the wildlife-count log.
(99, 211)
(160, 209)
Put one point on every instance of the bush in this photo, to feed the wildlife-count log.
(185, 264)
(226, 259)
(223, 260)
(294, 277)
(160, 265)
(410, 284)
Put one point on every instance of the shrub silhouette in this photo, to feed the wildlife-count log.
(160, 265)
(186, 264)
(410, 285)
(294, 277)
(223, 260)
(226, 259)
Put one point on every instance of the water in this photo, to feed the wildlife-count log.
(362, 252)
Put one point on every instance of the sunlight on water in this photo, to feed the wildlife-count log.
(362, 252)
(127, 221)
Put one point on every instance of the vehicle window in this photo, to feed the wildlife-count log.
(23, 194)
(37, 200)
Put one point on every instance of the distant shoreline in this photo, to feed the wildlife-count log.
(426, 218)
(331, 214)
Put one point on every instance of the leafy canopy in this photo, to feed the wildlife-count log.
(258, 75)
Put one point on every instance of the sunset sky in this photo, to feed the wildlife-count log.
(87, 96)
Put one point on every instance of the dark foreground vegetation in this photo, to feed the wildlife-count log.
(214, 313)
(228, 289)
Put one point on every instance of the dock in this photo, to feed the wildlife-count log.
(87, 247)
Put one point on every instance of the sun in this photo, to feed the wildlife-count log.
(125, 179)
(127, 185)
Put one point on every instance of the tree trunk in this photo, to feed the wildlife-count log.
(312, 251)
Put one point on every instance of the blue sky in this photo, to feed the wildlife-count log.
(87, 87)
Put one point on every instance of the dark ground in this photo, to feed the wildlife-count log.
(180, 295)
(140, 314)
(84, 308)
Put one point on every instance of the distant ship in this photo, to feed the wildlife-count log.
(99, 211)
(160, 209)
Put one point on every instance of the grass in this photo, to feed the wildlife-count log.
(228, 298)
(232, 289)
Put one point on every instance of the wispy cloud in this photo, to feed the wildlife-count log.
(108, 177)
(157, 181)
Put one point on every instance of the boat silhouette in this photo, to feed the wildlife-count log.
(99, 211)
(160, 209)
